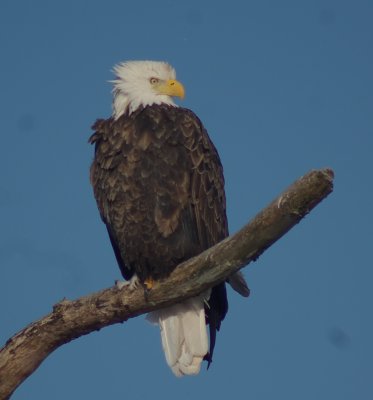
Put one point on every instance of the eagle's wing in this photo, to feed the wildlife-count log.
(208, 209)
(208, 203)
(108, 160)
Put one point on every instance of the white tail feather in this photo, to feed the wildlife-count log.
(183, 334)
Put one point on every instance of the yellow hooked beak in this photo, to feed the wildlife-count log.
(172, 87)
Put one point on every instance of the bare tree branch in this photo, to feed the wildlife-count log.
(24, 352)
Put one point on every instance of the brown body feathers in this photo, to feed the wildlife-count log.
(159, 186)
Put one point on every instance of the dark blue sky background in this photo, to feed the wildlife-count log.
(282, 87)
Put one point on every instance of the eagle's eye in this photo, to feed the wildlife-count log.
(153, 81)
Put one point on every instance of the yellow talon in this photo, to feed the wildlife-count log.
(149, 282)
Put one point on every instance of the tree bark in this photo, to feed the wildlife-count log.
(24, 352)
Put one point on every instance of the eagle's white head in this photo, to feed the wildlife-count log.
(143, 83)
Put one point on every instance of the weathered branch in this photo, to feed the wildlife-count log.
(69, 320)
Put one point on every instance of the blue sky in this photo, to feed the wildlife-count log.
(282, 87)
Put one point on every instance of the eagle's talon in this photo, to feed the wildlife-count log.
(149, 283)
(132, 284)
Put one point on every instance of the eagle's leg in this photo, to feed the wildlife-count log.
(132, 284)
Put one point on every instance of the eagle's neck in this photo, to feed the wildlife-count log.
(125, 103)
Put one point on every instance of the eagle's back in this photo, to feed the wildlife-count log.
(159, 185)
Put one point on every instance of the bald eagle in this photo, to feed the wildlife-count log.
(159, 186)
